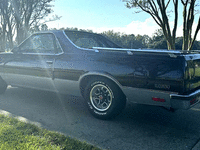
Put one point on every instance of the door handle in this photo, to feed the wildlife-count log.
(49, 62)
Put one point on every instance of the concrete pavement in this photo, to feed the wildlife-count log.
(139, 127)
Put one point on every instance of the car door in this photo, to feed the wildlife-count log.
(31, 64)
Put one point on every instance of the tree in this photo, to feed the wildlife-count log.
(19, 16)
(29, 13)
(158, 40)
(44, 27)
(158, 9)
(7, 23)
(188, 19)
(127, 41)
(113, 36)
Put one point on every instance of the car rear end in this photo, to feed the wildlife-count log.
(191, 91)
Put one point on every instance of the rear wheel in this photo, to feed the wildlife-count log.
(104, 98)
(3, 86)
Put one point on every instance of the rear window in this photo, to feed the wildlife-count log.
(89, 40)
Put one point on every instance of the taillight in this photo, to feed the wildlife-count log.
(193, 101)
(158, 99)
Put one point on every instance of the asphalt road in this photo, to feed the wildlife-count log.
(139, 127)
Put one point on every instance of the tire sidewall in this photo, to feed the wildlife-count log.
(110, 112)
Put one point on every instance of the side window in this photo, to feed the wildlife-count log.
(39, 43)
(86, 42)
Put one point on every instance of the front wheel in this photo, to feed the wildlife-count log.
(104, 98)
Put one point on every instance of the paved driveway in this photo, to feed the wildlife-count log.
(138, 127)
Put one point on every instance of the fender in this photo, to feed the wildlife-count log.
(85, 77)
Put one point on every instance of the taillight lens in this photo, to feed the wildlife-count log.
(158, 99)
(193, 101)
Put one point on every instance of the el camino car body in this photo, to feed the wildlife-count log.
(106, 75)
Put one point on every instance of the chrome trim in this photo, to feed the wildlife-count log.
(172, 55)
(100, 74)
(101, 97)
(59, 44)
(186, 97)
(129, 53)
(76, 45)
(138, 50)
(43, 53)
(181, 104)
(23, 41)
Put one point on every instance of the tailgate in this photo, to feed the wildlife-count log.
(192, 73)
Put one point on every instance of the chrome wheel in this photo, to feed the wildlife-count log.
(104, 98)
(101, 97)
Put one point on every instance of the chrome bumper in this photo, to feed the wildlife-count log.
(173, 100)
(184, 101)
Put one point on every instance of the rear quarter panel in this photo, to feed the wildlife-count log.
(140, 70)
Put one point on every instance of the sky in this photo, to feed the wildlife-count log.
(104, 15)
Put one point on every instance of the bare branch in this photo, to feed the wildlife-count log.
(175, 19)
(167, 4)
(195, 35)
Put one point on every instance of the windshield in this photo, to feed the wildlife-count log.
(89, 40)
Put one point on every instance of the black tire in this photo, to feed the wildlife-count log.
(3, 86)
(104, 98)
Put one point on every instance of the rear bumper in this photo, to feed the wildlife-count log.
(169, 99)
(184, 101)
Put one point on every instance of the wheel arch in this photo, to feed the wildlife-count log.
(88, 76)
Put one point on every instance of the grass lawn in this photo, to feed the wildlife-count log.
(17, 135)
